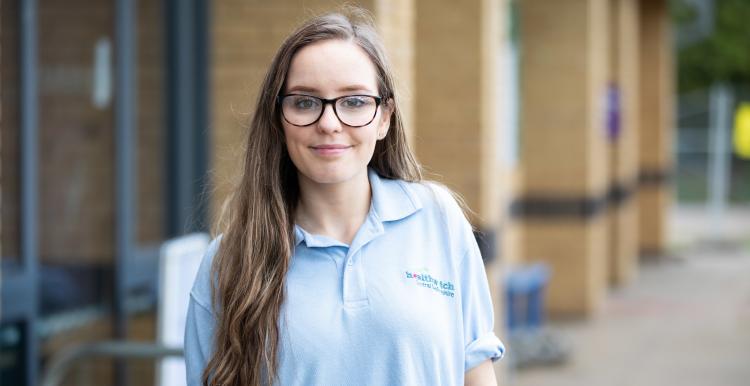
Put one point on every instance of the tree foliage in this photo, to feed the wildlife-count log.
(723, 56)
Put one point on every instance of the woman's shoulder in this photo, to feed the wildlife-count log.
(435, 196)
(201, 290)
(443, 206)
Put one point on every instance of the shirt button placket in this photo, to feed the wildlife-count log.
(348, 279)
(354, 291)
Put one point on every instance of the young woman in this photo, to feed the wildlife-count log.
(337, 265)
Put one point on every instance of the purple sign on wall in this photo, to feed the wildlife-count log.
(613, 112)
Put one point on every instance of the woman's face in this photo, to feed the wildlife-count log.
(328, 151)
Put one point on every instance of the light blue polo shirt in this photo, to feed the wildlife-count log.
(407, 303)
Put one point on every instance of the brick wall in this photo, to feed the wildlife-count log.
(76, 139)
(564, 152)
(76, 142)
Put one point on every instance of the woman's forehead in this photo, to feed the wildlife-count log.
(331, 66)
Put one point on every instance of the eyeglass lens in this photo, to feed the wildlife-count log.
(352, 110)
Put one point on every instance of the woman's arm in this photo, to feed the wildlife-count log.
(481, 375)
(198, 344)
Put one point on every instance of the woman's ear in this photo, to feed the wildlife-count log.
(385, 118)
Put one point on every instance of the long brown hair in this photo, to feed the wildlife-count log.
(251, 263)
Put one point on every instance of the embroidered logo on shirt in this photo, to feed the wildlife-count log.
(424, 279)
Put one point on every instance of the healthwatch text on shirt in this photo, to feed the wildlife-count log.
(427, 281)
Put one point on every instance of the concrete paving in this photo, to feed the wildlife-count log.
(684, 321)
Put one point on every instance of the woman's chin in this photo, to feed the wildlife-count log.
(330, 175)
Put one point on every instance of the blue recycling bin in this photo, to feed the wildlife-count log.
(524, 296)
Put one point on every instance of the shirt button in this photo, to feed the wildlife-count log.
(350, 263)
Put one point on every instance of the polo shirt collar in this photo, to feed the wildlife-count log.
(391, 200)
(314, 241)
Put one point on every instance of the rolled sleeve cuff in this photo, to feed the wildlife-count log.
(487, 346)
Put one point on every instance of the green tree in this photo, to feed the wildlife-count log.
(724, 56)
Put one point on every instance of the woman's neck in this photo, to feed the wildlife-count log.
(334, 210)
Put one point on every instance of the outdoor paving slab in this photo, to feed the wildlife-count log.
(685, 320)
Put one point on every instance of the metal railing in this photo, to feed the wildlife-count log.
(61, 363)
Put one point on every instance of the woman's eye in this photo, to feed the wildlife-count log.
(305, 103)
(354, 102)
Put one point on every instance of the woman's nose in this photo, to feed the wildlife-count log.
(329, 122)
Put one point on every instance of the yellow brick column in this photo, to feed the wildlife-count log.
(245, 37)
(656, 128)
(456, 112)
(623, 176)
(396, 22)
(564, 151)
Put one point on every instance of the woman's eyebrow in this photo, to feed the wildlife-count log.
(353, 87)
(303, 89)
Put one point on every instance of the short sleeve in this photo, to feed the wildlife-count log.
(200, 322)
(199, 330)
(480, 341)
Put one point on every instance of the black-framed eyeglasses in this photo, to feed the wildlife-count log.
(351, 110)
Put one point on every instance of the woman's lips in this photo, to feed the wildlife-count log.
(329, 150)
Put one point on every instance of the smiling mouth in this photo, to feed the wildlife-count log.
(330, 149)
